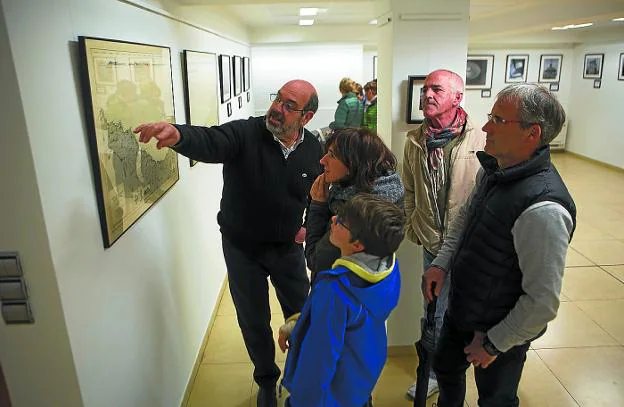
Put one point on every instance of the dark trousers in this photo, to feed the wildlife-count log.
(247, 277)
(497, 384)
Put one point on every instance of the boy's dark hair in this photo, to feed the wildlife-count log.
(364, 153)
(375, 222)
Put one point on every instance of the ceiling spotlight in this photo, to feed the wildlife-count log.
(308, 11)
(571, 26)
(306, 22)
(618, 19)
(373, 22)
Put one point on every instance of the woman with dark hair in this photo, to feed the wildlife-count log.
(356, 160)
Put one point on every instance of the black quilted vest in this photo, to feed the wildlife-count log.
(486, 278)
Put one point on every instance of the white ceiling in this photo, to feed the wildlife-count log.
(491, 21)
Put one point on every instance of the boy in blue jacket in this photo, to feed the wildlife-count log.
(338, 344)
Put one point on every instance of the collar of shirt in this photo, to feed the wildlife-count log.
(287, 150)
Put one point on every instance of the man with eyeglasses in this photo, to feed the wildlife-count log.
(506, 250)
(439, 171)
(269, 165)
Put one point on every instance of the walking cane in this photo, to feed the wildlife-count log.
(425, 348)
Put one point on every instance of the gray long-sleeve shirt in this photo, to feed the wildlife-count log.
(541, 235)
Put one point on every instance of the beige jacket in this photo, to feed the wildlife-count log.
(422, 226)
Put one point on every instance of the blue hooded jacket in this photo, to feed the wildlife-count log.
(339, 345)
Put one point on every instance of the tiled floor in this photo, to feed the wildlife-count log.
(578, 362)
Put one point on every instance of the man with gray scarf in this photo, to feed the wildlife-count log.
(439, 171)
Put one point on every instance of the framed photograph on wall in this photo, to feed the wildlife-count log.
(621, 68)
(517, 68)
(246, 74)
(201, 89)
(554, 86)
(225, 78)
(229, 109)
(414, 113)
(486, 93)
(479, 70)
(237, 69)
(597, 83)
(550, 68)
(592, 68)
(125, 84)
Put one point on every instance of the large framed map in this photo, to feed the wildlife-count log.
(201, 90)
(126, 84)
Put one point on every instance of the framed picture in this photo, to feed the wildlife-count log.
(246, 74)
(240, 102)
(621, 68)
(272, 96)
(225, 75)
(237, 69)
(248, 97)
(126, 84)
(486, 93)
(554, 87)
(414, 114)
(597, 83)
(229, 109)
(592, 69)
(479, 70)
(375, 59)
(550, 68)
(517, 68)
(200, 89)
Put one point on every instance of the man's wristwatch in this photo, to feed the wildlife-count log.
(489, 347)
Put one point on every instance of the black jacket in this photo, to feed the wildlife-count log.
(487, 280)
(264, 194)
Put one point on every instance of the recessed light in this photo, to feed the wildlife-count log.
(308, 11)
(306, 22)
(571, 26)
(618, 19)
(373, 22)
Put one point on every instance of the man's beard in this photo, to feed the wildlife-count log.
(281, 129)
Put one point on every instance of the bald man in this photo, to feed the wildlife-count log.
(269, 165)
(439, 172)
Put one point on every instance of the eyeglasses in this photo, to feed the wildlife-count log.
(288, 105)
(499, 120)
(339, 221)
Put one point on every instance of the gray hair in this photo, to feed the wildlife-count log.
(536, 105)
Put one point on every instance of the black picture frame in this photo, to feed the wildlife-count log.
(240, 102)
(597, 83)
(248, 97)
(479, 71)
(200, 76)
(621, 68)
(246, 74)
(486, 93)
(517, 68)
(113, 107)
(237, 70)
(413, 112)
(592, 67)
(225, 77)
(229, 109)
(550, 68)
(554, 87)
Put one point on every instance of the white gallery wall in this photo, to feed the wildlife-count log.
(115, 327)
(323, 65)
(596, 129)
(478, 107)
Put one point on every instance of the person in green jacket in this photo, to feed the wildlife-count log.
(350, 109)
(369, 119)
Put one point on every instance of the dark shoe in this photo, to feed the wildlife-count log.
(267, 396)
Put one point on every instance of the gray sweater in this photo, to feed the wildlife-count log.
(541, 237)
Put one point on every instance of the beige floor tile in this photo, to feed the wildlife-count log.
(601, 252)
(226, 307)
(575, 259)
(585, 231)
(607, 314)
(615, 271)
(573, 328)
(593, 376)
(538, 386)
(223, 385)
(591, 283)
(225, 344)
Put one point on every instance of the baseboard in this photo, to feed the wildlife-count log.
(198, 359)
(594, 161)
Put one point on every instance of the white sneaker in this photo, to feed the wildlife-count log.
(432, 388)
